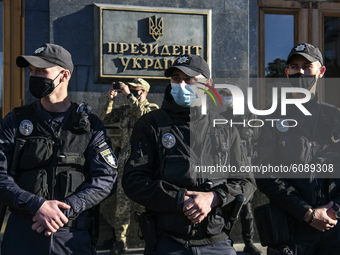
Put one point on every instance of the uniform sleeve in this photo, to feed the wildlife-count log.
(10, 193)
(238, 182)
(139, 109)
(279, 191)
(104, 116)
(139, 182)
(103, 172)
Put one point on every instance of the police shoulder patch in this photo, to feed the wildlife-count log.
(257, 130)
(110, 158)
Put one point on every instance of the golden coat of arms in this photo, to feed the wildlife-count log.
(155, 27)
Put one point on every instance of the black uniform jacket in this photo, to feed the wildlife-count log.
(101, 180)
(310, 151)
(158, 177)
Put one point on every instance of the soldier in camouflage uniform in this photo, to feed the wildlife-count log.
(120, 121)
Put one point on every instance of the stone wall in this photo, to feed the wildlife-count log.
(70, 23)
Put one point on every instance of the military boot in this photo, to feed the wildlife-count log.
(251, 249)
(118, 247)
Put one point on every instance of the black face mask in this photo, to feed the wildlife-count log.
(300, 80)
(40, 86)
(135, 93)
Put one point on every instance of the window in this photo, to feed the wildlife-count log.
(277, 35)
(279, 39)
(332, 46)
(331, 28)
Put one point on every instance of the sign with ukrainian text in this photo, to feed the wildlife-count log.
(135, 41)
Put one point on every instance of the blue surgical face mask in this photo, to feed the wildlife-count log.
(228, 101)
(184, 95)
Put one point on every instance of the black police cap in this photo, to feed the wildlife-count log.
(47, 55)
(306, 50)
(191, 65)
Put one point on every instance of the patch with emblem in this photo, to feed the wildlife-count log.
(300, 47)
(109, 157)
(183, 60)
(127, 153)
(335, 140)
(282, 125)
(257, 129)
(224, 146)
(39, 50)
(26, 127)
(168, 140)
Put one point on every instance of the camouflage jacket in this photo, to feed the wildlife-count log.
(120, 120)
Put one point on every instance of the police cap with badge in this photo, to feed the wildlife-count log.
(191, 65)
(306, 50)
(47, 55)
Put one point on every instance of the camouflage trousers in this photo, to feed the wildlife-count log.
(118, 210)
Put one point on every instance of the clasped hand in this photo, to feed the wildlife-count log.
(324, 218)
(49, 217)
(197, 205)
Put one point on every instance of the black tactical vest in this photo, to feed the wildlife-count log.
(178, 160)
(51, 163)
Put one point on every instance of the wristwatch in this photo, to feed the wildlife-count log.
(337, 210)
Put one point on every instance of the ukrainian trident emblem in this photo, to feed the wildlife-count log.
(155, 28)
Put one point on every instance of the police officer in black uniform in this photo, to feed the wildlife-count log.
(246, 135)
(165, 163)
(56, 164)
(310, 198)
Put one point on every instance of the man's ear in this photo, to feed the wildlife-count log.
(286, 72)
(322, 71)
(66, 75)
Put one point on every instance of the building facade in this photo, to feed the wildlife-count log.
(246, 40)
